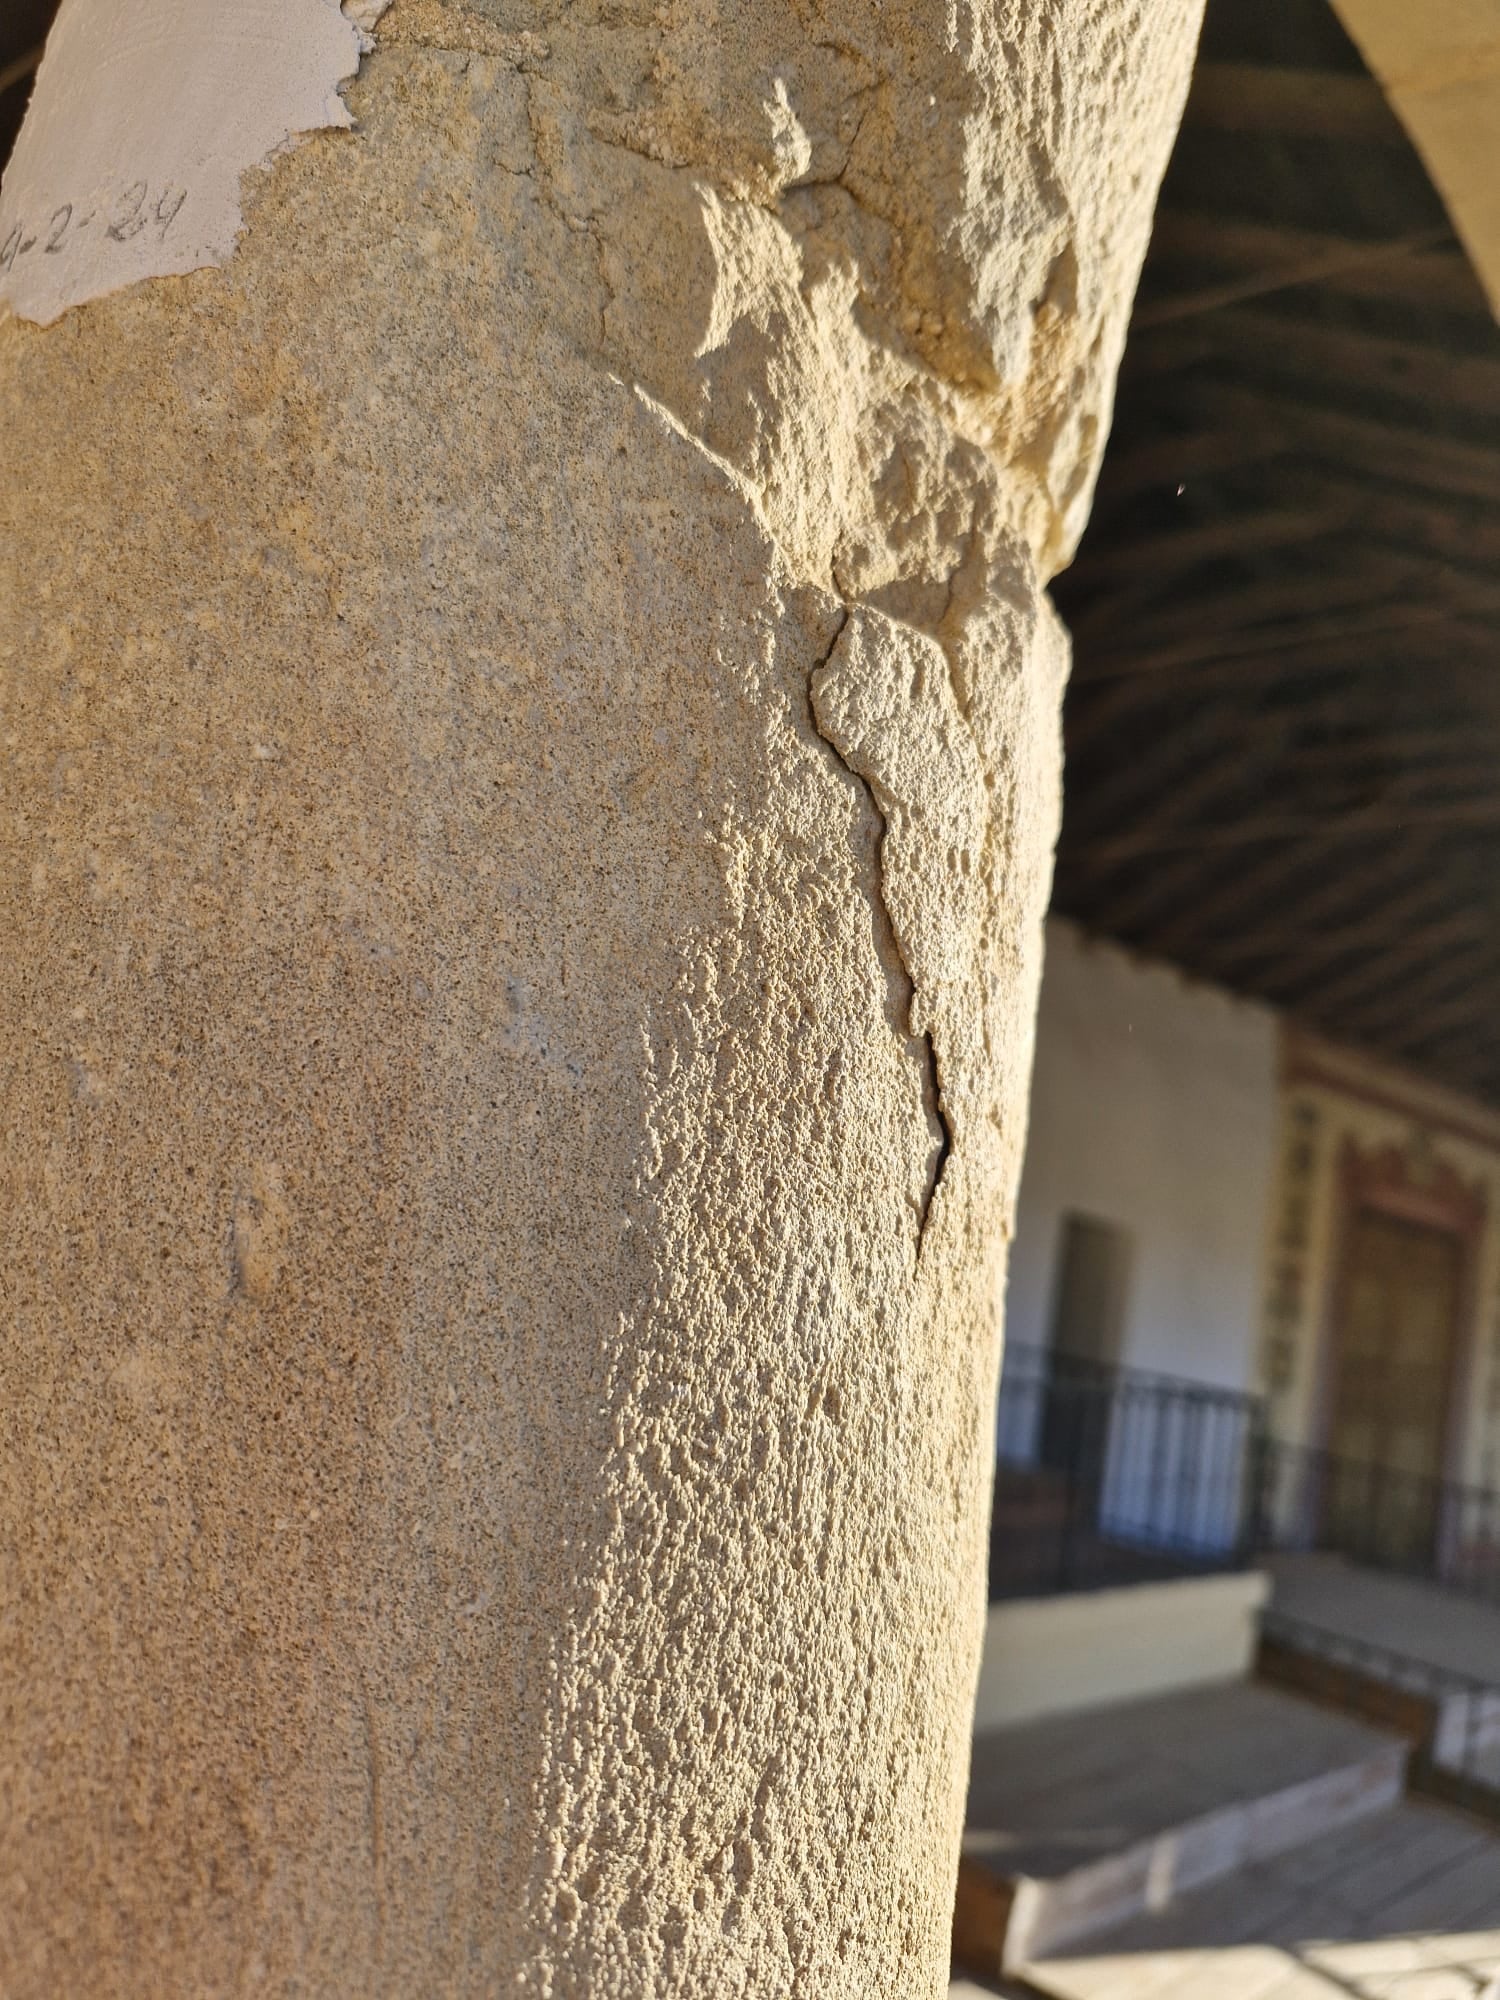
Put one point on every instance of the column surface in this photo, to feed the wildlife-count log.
(529, 748)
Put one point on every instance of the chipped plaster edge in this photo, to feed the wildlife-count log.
(131, 166)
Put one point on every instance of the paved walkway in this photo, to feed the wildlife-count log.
(1403, 1905)
(1048, 1797)
(1420, 1620)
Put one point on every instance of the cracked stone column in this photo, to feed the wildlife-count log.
(530, 749)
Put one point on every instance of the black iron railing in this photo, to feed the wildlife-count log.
(1108, 1474)
(1112, 1475)
(1437, 1530)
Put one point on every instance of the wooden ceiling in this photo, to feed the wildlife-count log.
(1283, 730)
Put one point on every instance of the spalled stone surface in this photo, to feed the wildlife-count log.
(530, 744)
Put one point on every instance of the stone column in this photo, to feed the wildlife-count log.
(530, 744)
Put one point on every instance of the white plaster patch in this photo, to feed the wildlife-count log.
(144, 117)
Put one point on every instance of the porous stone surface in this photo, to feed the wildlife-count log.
(530, 760)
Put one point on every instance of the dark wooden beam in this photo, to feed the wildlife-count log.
(1317, 500)
(1247, 652)
(1463, 751)
(1185, 767)
(1453, 991)
(1292, 103)
(1166, 459)
(1466, 1053)
(1424, 265)
(1319, 358)
(1385, 981)
(1100, 701)
(1460, 1028)
(1290, 953)
(1312, 261)
(1477, 815)
(1314, 617)
(1251, 892)
(20, 67)
(1393, 453)
(1157, 555)
(1464, 534)
(1164, 909)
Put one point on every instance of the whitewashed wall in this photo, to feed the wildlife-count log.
(1154, 1107)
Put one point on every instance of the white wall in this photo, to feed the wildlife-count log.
(1054, 1655)
(1154, 1107)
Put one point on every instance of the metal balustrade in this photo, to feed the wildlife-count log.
(1113, 1474)
(1436, 1530)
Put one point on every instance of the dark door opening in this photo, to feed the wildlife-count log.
(1088, 1313)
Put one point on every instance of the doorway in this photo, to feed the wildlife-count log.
(1394, 1347)
(1088, 1315)
(1088, 1303)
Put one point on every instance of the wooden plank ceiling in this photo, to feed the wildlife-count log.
(1283, 730)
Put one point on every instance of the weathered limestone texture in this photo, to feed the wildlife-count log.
(530, 762)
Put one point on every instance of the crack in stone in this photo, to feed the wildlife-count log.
(932, 1095)
(932, 1091)
(894, 960)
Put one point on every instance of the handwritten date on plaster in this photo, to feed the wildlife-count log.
(137, 208)
(145, 116)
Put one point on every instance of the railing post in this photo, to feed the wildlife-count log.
(1256, 1532)
(1070, 1494)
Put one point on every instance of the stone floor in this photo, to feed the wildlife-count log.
(1420, 1620)
(1403, 1905)
(1051, 1796)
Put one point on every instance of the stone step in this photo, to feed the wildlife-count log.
(1404, 1902)
(1451, 1720)
(1079, 1824)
